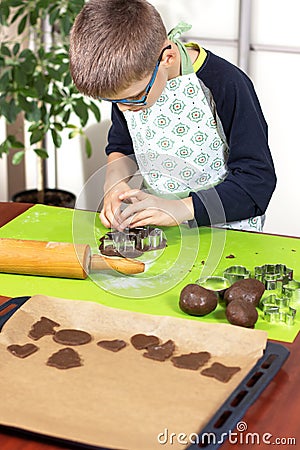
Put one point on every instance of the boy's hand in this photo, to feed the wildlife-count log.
(110, 213)
(147, 209)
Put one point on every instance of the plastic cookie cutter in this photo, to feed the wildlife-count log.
(277, 309)
(274, 276)
(236, 273)
(292, 291)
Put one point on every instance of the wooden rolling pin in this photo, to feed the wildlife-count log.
(58, 259)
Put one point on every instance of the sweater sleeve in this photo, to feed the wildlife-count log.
(119, 139)
(251, 178)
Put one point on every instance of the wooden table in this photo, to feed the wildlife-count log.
(273, 418)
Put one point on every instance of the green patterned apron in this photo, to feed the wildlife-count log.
(179, 142)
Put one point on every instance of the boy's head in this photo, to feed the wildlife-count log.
(113, 44)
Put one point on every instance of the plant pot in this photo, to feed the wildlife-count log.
(52, 197)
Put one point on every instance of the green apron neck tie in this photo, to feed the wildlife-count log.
(175, 33)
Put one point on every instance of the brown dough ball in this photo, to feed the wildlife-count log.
(197, 301)
(239, 312)
(250, 290)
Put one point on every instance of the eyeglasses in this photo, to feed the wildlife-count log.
(143, 100)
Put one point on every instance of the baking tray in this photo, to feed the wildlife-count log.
(222, 423)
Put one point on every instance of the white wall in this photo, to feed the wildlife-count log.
(276, 76)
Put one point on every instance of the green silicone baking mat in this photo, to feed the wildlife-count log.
(190, 253)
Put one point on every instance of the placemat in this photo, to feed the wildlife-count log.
(157, 290)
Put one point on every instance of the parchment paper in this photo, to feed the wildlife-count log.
(117, 400)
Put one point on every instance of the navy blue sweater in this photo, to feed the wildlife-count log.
(251, 178)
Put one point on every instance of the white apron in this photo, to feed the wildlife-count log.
(179, 144)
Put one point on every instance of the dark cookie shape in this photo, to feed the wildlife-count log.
(220, 372)
(250, 290)
(72, 337)
(142, 341)
(41, 328)
(22, 351)
(191, 361)
(66, 358)
(114, 345)
(197, 301)
(160, 352)
(239, 312)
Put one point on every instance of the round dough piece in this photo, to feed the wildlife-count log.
(72, 337)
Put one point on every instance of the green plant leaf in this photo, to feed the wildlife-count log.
(74, 133)
(34, 115)
(56, 138)
(29, 92)
(14, 143)
(11, 111)
(33, 127)
(37, 136)
(66, 24)
(22, 24)
(4, 50)
(66, 116)
(15, 3)
(88, 147)
(16, 48)
(4, 13)
(68, 79)
(54, 74)
(5, 81)
(40, 85)
(24, 104)
(33, 16)
(81, 111)
(28, 62)
(19, 76)
(41, 152)
(96, 111)
(18, 156)
(19, 12)
(53, 16)
(4, 148)
(58, 126)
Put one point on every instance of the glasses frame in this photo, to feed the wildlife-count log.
(143, 100)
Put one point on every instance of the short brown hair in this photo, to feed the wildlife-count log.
(114, 43)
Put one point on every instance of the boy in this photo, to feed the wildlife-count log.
(189, 119)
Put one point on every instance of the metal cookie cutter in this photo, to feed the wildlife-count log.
(292, 291)
(274, 276)
(216, 284)
(132, 241)
(277, 309)
(235, 273)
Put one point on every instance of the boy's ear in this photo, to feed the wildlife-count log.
(169, 57)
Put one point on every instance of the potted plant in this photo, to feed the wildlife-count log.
(35, 82)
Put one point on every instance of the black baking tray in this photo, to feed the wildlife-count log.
(218, 429)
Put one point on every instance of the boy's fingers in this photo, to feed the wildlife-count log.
(139, 219)
(136, 193)
(103, 219)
